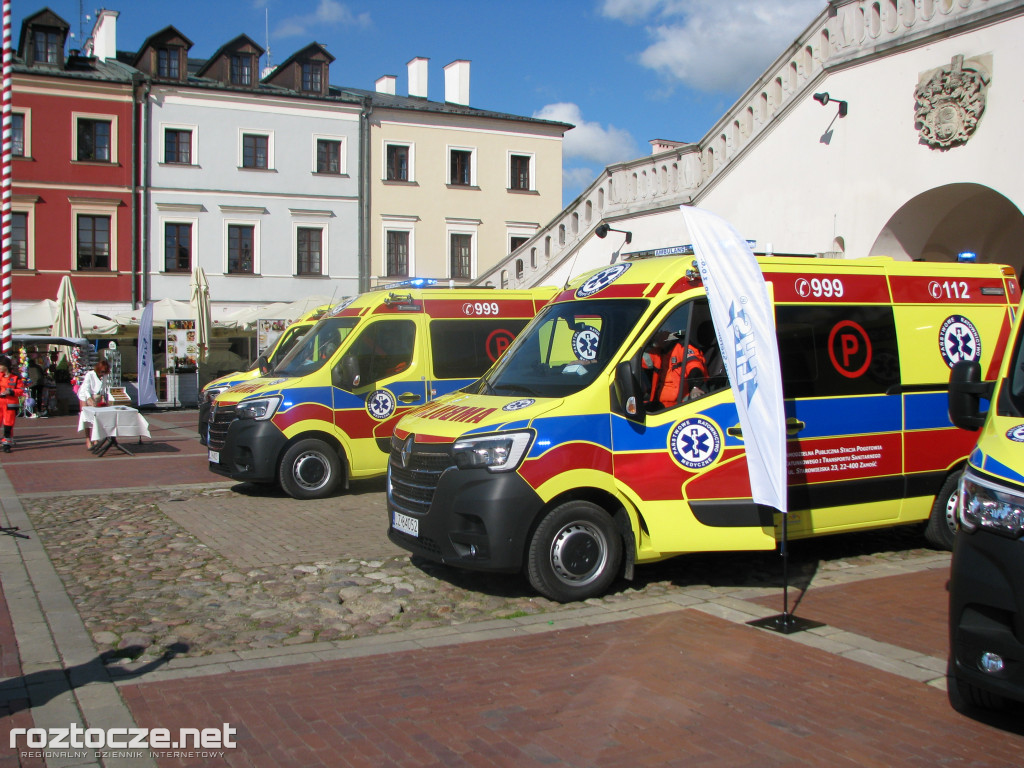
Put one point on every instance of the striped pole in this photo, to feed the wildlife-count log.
(7, 322)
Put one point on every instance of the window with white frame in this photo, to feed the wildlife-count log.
(398, 246)
(518, 233)
(179, 243)
(180, 144)
(462, 248)
(521, 171)
(21, 144)
(255, 150)
(19, 240)
(242, 252)
(461, 166)
(329, 155)
(398, 161)
(94, 224)
(310, 247)
(94, 138)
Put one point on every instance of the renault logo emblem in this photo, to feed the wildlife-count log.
(406, 451)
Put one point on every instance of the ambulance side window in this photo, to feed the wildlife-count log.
(677, 360)
(831, 351)
(382, 350)
(465, 349)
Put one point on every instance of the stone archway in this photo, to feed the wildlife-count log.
(942, 222)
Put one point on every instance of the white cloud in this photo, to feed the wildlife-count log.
(328, 13)
(577, 178)
(715, 45)
(588, 140)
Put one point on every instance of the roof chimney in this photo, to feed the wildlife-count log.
(456, 82)
(418, 77)
(386, 84)
(103, 42)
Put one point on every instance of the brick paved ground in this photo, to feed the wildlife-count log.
(665, 672)
(678, 689)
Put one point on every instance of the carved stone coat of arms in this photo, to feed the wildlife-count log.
(949, 102)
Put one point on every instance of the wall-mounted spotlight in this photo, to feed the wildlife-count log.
(602, 230)
(824, 99)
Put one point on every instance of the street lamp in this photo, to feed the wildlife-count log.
(824, 99)
(602, 230)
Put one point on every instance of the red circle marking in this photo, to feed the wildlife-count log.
(497, 342)
(859, 330)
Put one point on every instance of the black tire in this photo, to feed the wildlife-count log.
(310, 469)
(942, 521)
(575, 553)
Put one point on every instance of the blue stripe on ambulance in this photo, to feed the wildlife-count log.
(1000, 470)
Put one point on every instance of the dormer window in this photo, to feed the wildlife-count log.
(241, 69)
(48, 47)
(168, 63)
(312, 76)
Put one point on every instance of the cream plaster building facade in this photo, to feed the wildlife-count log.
(453, 189)
(910, 154)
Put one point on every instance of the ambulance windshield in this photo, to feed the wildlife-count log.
(564, 349)
(317, 347)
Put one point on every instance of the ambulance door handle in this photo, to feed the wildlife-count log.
(409, 397)
(793, 426)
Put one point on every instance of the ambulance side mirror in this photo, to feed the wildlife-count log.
(627, 389)
(349, 372)
(262, 364)
(965, 392)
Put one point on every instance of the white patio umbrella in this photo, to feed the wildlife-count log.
(67, 323)
(201, 306)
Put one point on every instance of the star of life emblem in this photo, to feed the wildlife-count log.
(380, 404)
(695, 443)
(601, 280)
(959, 340)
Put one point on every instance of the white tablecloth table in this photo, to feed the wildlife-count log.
(110, 423)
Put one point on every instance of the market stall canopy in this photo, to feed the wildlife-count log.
(163, 310)
(200, 302)
(279, 310)
(67, 322)
(38, 319)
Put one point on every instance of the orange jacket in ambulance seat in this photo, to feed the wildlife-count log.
(674, 371)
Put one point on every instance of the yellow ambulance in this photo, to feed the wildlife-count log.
(263, 365)
(577, 455)
(324, 414)
(986, 584)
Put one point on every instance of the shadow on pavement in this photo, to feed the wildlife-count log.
(274, 491)
(47, 684)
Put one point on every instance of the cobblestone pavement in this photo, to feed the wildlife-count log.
(207, 570)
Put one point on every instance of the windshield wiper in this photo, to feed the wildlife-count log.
(515, 388)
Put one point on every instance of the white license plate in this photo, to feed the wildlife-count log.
(406, 524)
(215, 457)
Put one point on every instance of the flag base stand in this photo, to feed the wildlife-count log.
(785, 623)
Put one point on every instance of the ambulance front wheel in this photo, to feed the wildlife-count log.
(310, 469)
(942, 522)
(575, 553)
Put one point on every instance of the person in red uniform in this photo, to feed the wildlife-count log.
(11, 390)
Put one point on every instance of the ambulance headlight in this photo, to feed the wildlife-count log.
(990, 507)
(259, 409)
(498, 453)
(210, 394)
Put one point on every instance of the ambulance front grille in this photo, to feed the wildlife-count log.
(412, 486)
(221, 417)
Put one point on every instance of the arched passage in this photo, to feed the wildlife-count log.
(942, 222)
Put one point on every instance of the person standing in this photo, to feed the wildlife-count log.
(11, 390)
(93, 391)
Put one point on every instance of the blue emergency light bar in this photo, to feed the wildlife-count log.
(412, 282)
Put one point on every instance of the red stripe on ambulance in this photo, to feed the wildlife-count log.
(565, 458)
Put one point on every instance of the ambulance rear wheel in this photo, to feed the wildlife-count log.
(310, 469)
(575, 552)
(942, 521)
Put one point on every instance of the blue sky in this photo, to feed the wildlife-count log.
(623, 71)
